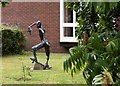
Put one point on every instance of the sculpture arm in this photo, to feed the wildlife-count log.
(30, 28)
(32, 25)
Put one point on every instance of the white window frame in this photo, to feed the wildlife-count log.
(0, 15)
(62, 25)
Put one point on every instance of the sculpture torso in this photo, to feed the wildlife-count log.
(42, 33)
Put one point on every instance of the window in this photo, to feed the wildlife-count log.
(68, 32)
(68, 15)
(0, 15)
(67, 23)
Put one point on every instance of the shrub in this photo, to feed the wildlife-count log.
(12, 40)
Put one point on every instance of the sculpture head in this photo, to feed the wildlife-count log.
(38, 24)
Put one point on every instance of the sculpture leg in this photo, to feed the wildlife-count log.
(34, 53)
(47, 50)
(34, 49)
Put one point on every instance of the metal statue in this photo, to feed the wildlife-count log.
(43, 44)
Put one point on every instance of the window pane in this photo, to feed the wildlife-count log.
(68, 32)
(68, 15)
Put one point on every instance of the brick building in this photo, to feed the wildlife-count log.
(59, 22)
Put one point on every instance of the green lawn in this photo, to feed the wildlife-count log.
(12, 70)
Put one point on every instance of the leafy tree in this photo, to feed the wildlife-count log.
(4, 3)
(97, 54)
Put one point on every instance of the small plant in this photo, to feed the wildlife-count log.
(26, 71)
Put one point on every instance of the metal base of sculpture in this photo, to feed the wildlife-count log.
(41, 66)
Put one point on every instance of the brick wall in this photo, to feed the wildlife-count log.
(25, 13)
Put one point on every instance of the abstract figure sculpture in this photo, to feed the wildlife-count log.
(43, 44)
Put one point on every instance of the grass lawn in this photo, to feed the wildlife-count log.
(12, 70)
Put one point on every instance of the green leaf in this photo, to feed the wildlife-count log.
(113, 5)
(98, 79)
(69, 63)
(72, 73)
(102, 63)
(66, 66)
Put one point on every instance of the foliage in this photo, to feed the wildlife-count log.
(95, 16)
(12, 40)
(4, 3)
(98, 59)
(104, 78)
(26, 71)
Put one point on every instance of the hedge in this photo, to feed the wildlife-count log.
(12, 40)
